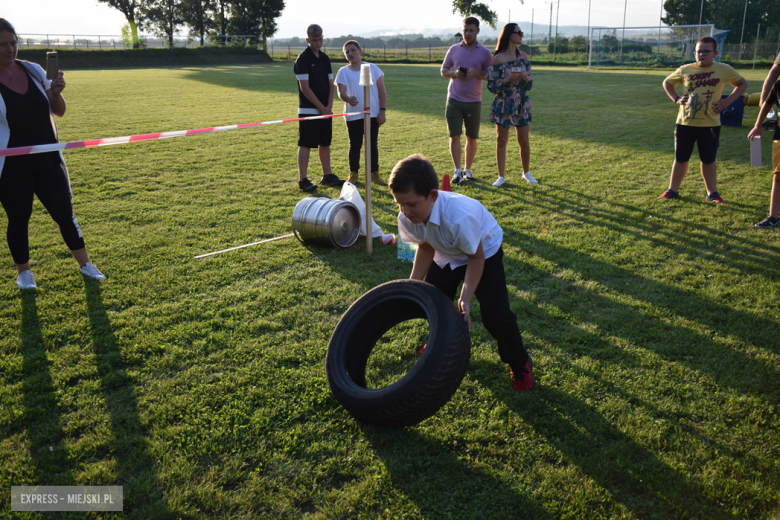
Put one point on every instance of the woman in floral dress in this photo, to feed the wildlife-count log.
(509, 78)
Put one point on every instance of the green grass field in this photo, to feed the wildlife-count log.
(199, 385)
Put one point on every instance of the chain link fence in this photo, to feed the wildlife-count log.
(82, 42)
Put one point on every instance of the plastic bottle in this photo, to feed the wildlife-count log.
(412, 252)
(403, 248)
(406, 251)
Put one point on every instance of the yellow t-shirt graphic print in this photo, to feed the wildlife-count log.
(704, 87)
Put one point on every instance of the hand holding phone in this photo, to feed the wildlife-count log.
(52, 65)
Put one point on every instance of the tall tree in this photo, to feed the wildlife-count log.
(475, 8)
(255, 17)
(165, 17)
(196, 14)
(222, 15)
(133, 14)
(727, 14)
(270, 11)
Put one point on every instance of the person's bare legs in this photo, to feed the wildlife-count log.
(679, 169)
(502, 140)
(80, 255)
(471, 151)
(324, 153)
(525, 147)
(709, 172)
(303, 161)
(774, 201)
(455, 150)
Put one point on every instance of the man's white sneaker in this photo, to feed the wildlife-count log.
(527, 176)
(468, 174)
(457, 177)
(90, 270)
(25, 280)
(499, 182)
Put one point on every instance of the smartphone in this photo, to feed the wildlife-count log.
(463, 70)
(52, 67)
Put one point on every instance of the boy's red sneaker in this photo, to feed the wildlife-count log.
(715, 197)
(523, 379)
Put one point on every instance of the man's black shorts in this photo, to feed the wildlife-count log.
(706, 137)
(312, 134)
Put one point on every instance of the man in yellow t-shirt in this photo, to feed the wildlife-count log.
(698, 120)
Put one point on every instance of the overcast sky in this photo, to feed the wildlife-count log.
(88, 17)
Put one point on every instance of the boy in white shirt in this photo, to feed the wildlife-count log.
(459, 240)
(350, 91)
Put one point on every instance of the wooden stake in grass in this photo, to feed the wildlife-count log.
(365, 82)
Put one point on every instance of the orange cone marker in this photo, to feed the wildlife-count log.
(445, 183)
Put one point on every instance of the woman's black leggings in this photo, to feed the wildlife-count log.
(16, 196)
(355, 130)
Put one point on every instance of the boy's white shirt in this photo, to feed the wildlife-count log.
(455, 227)
(351, 79)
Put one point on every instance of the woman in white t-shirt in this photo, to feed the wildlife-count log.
(350, 91)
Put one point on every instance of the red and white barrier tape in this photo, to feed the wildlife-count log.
(55, 147)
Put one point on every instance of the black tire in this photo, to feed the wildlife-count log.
(430, 383)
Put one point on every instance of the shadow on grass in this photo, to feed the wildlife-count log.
(420, 91)
(260, 77)
(42, 410)
(443, 486)
(651, 324)
(143, 493)
(632, 475)
(656, 318)
(583, 208)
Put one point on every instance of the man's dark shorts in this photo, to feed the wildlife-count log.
(458, 113)
(707, 138)
(312, 134)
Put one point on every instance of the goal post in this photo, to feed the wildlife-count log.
(632, 46)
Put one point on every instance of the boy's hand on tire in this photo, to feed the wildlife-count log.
(464, 307)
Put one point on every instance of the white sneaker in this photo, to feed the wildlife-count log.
(25, 280)
(499, 182)
(90, 270)
(469, 176)
(457, 177)
(527, 176)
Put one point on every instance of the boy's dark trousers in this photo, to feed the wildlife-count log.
(493, 297)
(356, 130)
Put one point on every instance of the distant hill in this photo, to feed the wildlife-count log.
(540, 30)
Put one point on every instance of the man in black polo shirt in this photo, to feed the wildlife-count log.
(315, 97)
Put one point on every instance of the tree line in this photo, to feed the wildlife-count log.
(393, 42)
(728, 14)
(202, 17)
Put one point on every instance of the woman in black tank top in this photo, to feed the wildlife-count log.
(26, 109)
